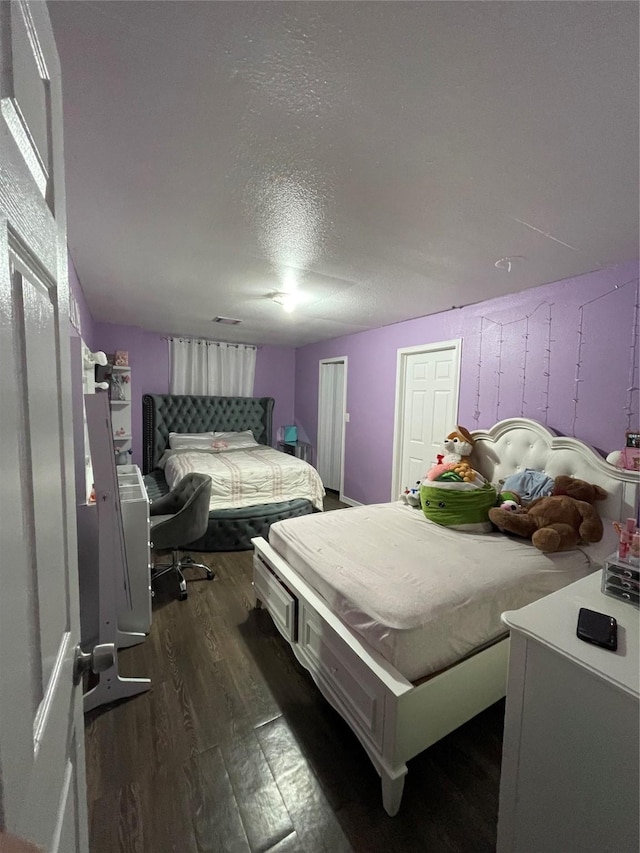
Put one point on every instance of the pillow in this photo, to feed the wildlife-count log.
(233, 440)
(190, 440)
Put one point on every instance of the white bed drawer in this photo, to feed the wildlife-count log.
(353, 683)
(277, 599)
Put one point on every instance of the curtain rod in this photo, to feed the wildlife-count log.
(208, 342)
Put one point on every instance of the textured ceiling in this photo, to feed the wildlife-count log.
(379, 156)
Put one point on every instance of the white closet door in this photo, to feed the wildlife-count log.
(428, 380)
(331, 424)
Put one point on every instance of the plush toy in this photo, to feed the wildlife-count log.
(411, 496)
(557, 522)
(457, 446)
(510, 505)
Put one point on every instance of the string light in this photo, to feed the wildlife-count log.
(633, 355)
(547, 372)
(524, 364)
(582, 341)
(499, 372)
(476, 414)
(633, 365)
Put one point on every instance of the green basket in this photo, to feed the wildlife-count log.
(459, 506)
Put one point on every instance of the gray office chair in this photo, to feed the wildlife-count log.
(178, 518)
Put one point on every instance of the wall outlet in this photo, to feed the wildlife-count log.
(347, 418)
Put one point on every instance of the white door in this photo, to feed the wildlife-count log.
(331, 419)
(428, 381)
(42, 775)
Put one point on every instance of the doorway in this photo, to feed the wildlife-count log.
(332, 403)
(427, 392)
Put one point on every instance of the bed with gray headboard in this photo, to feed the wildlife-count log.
(229, 529)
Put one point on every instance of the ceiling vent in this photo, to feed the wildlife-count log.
(228, 321)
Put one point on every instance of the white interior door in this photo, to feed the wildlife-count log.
(428, 381)
(331, 419)
(42, 782)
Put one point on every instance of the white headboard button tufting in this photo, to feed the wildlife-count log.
(518, 443)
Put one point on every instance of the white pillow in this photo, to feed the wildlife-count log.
(233, 440)
(190, 440)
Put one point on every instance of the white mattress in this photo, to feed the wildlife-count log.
(423, 595)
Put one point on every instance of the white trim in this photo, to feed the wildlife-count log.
(337, 360)
(401, 373)
(17, 125)
(350, 501)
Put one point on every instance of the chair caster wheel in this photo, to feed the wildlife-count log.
(210, 577)
(182, 596)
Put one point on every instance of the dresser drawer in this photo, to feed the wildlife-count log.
(353, 684)
(278, 600)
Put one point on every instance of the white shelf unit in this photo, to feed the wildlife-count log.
(121, 412)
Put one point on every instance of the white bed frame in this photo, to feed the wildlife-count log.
(393, 718)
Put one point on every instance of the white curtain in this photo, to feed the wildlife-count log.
(212, 368)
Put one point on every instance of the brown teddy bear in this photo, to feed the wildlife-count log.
(559, 521)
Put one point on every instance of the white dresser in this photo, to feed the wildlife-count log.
(571, 750)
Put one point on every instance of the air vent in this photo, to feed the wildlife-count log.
(229, 321)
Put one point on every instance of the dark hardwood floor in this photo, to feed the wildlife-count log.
(234, 749)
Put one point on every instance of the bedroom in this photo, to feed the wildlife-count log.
(565, 295)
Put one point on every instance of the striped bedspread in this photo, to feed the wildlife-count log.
(256, 475)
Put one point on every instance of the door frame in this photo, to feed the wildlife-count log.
(401, 379)
(335, 360)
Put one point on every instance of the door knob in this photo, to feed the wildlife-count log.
(100, 657)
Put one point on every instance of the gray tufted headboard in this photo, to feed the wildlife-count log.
(165, 413)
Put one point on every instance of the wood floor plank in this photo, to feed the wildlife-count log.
(103, 821)
(316, 825)
(168, 826)
(264, 815)
(290, 844)
(214, 808)
(116, 821)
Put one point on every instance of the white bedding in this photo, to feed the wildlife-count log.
(256, 475)
(423, 595)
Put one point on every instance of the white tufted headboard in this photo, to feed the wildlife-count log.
(518, 443)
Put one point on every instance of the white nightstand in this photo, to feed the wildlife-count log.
(571, 751)
(301, 449)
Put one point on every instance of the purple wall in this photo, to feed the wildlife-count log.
(87, 324)
(275, 377)
(149, 360)
(525, 335)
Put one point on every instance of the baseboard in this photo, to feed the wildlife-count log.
(350, 501)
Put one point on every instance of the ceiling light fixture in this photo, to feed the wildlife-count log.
(287, 300)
